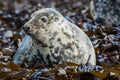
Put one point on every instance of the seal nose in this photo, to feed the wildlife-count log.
(26, 28)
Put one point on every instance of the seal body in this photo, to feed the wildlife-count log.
(107, 10)
(52, 40)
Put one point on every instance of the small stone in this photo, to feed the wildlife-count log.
(61, 71)
(8, 34)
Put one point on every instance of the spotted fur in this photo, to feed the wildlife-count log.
(52, 40)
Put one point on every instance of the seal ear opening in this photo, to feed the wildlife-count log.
(56, 19)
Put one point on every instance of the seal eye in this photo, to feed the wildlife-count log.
(44, 19)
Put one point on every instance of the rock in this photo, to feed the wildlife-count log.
(106, 11)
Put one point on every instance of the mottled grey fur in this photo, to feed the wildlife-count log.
(51, 40)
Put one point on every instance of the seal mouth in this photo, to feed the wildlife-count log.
(35, 33)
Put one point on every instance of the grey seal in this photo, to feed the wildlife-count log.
(51, 39)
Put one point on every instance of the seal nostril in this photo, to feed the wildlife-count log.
(28, 28)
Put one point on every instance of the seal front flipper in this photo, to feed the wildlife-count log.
(24, 48)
